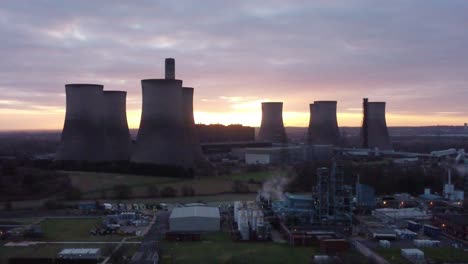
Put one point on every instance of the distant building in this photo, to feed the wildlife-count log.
(365, 196)
(194, 218)
(222, 133)
(80, 253)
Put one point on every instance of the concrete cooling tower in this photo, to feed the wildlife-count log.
(272, 127)
(374, 132)
(116, 126)
(161, 138)
(83, 136)
(190, 129)
(323, 126)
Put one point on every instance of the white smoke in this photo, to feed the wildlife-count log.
(273, 188)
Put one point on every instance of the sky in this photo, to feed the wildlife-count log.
(237, 54)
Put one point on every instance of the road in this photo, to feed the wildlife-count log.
(150, 245)
(364, 250)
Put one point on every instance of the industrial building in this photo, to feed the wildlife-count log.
(80, 253)
(194, 219)
(365, 196)
(323, 125)
(454, 224)
(116, 126)
(272, 127)
(392, 215)
(216, 133)
(374, 132)
(161, 137)
(83, 136)
(274, 155)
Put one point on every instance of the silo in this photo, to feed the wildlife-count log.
(116, 126)
(375, 126)
(272, 127)
(83, 136)
(190, 130)
(323, 125)
(161, 137)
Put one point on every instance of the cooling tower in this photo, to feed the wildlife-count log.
(323, 126)
(374, 132)
(161, 138)
(116, 126)
(83, 136)
(272, 127)
(190, 130)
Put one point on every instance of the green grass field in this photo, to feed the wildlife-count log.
(218, 248)
(94, 181)
(74, 230)
(438, 255)
(100, 185)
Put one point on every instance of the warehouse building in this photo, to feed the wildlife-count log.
(194, 219)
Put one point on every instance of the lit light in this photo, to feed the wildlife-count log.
(384, 202)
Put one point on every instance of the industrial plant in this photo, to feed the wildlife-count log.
(323, 189)
(272, 127)
(96, 128)
(323, 126)
(374, 130)
(84, 134)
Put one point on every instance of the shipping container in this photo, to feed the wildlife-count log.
(431, 231)
(413, 226)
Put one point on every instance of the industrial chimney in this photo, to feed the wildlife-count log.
(272, 127)
(323, 126)
(83, 136)
(374, 132)
(189, 121)
(116, 126)
(161, 138)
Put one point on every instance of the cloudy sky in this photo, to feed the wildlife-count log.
(411, 54)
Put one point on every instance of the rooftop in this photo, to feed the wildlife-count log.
(79, 251)
(195, 211)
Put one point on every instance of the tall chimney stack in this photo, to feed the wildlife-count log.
(170, 69)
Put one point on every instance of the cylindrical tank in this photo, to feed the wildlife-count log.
(161, 138)
(190, 129)
(116, 126)
(323, 125)
(377, 132)
(83, 136)
(272, 127)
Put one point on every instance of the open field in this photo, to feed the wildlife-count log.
(100, 185)
(93, 181)
(218, 248)
(73, 229)
(439, 255)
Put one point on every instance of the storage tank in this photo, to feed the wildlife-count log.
(161, 137)
(83, 136)
(323, 125)
(190, 129)
(272, 127)
(116, 126)
(374, 132)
